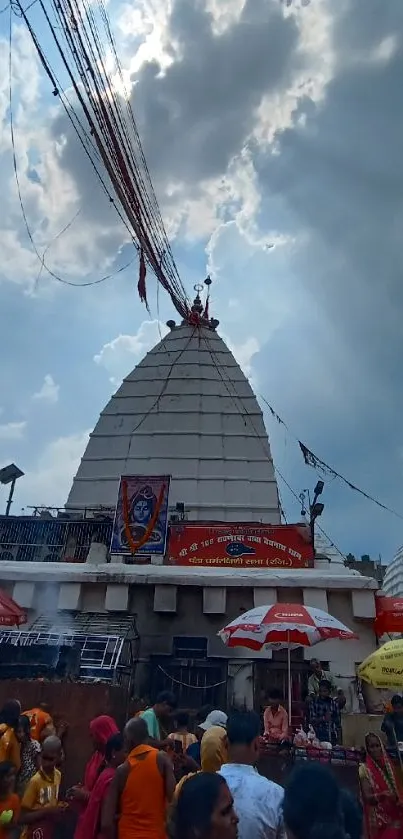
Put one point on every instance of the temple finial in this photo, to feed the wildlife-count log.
(199, 313)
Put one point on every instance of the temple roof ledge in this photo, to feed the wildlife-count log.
(61, 572)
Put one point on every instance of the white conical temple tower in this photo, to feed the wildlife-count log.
(188, 411)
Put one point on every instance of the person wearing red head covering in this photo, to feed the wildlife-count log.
(101, 730)
(114, 756)
(383, 807)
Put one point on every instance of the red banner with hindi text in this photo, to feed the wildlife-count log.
(240, 545)
(389, 615)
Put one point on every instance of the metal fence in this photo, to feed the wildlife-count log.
(103, 647)
(32, 539)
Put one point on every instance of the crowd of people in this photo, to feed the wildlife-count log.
(157, 779)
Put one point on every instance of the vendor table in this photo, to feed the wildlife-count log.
(343, 763)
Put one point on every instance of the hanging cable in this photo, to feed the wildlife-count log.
(314, 461)
(82, 37)
(156, 402)
(297, 498)
(41, 258)
(245, 414)
(281, 505)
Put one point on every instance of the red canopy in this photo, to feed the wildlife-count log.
(389, 615)
(10, 613)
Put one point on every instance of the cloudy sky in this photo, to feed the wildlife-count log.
(274, 135)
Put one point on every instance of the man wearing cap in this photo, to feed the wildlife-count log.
(213, 750)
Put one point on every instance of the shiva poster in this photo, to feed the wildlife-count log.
(141, 517)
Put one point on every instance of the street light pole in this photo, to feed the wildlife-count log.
(315, 510)
(10, 496)
(9, 475)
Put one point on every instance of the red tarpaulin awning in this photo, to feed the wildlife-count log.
(10, 613)
(389, 615)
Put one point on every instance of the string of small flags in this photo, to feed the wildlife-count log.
(316, 463)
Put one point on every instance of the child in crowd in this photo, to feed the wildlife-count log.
(40, 807)
(181, 734)
(9, 801)
(30, 754)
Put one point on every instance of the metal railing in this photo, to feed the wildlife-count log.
(35, 539)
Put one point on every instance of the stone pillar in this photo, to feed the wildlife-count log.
(116, 598)
(317, 598)
(70, 597)
(165, 598)
(214, 600)
(264, 596)
(24, 594)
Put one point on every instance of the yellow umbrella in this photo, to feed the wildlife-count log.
(384, 667)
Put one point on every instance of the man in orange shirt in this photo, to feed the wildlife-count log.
(275, 719)
(140, 790)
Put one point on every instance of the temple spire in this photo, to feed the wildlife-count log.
(199, 312)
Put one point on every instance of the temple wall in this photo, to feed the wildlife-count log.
(165, 611)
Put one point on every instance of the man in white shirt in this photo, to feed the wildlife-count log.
(257, 801)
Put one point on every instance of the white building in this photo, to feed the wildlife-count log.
(186, 410)
(393, 581)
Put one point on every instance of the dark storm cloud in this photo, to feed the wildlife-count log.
(339, 175)
(363, 24)
(198, 114)
(195, 116)
(74, 160)
(337, 183)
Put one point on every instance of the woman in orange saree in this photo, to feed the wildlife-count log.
(383, 809)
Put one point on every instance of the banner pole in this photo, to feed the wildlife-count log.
(289, 676)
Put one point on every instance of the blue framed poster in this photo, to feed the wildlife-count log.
(141, 517)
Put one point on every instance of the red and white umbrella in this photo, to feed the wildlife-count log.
(282, 625)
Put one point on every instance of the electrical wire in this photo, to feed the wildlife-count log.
(235, 396)
(41, 258)
(82, 35)
(281, 505)
(245, 416)
(314, 461)
(58, 236)
(332, 544)
(160, 395)
(277, 471)
(297, 498)
(188, 685)
(117, 143)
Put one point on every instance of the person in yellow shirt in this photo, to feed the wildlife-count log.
(213, 749)
(10, 748)
(40, 807)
